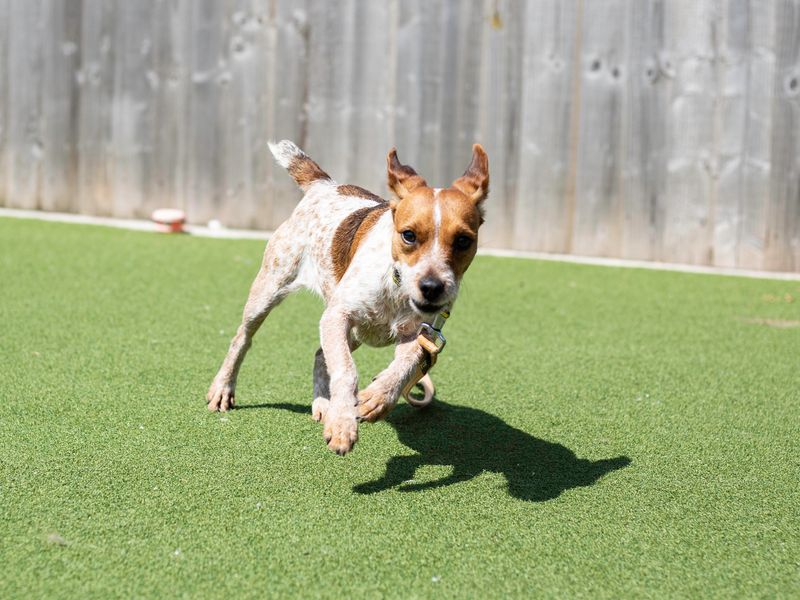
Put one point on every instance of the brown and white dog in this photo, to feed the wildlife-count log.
(349, 246)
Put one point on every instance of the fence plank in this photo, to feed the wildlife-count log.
(243, 147)
(96, 82)
(460, 120)
(331, 34)
(731, 37)
(692, 150)
(541, 217)
(168, 80)
(132, 117)
(424, 149)
(204, 185)
(782, 250)
(413, 83)
(754, 174)
(500, 107)
(597, 223)
(24, 135)
(288, 83)
(645, 104)
(5, 19)
(60, 97)
(371, 95)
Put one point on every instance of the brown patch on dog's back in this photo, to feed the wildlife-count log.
(351, 233)
(358, 192)
(305, 171)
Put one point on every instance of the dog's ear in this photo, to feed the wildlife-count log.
(474, 183)
(402, 179)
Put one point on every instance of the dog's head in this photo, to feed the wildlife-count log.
(436, 230)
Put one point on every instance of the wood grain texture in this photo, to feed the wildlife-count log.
(689, 62)
(548, 126)
(642, 168)
(24, 144)
(5, 18)
(60, 98)
(288, 87)
(133, 113)
(656, 129)
(500, 109)
(204, 131)
(332, 44)
(371, 94)
(243, 146)
(732, 121)
(168, 80)
(96, 82)
(782, 248)
(754, 173)
(597, 217)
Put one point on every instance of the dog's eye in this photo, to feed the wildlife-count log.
(409, 237)
(462, 242)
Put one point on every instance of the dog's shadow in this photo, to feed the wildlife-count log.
(472, 441)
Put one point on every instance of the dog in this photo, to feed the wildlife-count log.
(382, 268)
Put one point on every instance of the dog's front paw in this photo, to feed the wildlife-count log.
(220, 397)
(341, 433)
(374, 404)
(318, 409)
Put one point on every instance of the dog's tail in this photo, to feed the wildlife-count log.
(300, 166)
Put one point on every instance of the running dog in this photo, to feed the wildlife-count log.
(382, 268)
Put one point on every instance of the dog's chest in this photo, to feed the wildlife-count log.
(373, 334)
(382, 321)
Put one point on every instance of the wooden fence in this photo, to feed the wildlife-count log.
(649, 129)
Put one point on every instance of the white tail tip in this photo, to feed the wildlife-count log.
(284, 151)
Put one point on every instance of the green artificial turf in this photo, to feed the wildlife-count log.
(598, 432)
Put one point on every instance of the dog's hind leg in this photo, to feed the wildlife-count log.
(272, 284)
(322, 387)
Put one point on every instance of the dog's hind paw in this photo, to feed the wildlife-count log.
(220, 397)
(341, 434)
(318, 409)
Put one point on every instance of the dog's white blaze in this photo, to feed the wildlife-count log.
(437, 220)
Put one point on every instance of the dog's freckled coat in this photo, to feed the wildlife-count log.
(344, 243)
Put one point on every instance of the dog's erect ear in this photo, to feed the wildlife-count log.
(474, 183)
(402, 179)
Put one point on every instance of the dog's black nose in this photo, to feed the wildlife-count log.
(431, 288)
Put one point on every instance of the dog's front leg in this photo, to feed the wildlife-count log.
(341, 425)
(380, 396)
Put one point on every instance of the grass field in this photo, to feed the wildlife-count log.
(598, 432)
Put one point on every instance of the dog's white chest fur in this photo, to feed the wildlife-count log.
(378, 307)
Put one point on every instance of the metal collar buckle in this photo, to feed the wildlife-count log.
(433, 335)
